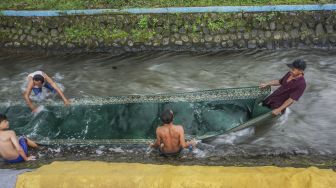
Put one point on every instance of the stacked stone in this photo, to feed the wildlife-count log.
(171, 32)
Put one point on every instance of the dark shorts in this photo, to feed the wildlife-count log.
(162, 153)
(38, 90)
(23, 144)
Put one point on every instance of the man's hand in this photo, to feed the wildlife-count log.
(276, 111)
(66, 102)
(31, 158)
(263, 85)
(35, 110)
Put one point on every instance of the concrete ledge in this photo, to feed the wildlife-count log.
(101, 174)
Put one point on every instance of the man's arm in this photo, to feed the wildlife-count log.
(58, 90)
(158, 140)
(286, 104)
(271, 83)
(19, 149)
(27, 93)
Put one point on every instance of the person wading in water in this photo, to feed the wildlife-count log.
(292, 86)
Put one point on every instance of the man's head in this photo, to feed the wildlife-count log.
(38, 80)
(4, 124)
(297, 67)
(167, 116)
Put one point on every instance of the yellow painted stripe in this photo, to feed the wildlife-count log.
(114, 175)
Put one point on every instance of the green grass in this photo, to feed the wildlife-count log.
(90, 4)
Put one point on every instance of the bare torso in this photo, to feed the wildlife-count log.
(170, 136)
(7, 149)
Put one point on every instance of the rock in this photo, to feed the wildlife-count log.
(130, 43)
(177, 36)
(17, 44)
(304, 27)
(277, 35)
(329, 29)
(208, 45)
(29, 38)
(224, 44)
(195, 39)
(285, 36)
(239, 35)
(332, 38)
(22, 37)
(269, 45)
(165, 41)
(54, 32)
(319, 30)
(272, 26)
(208, 38)
(230, 43)
(268, 34)
(241, 44)
(158, 29)
(182, 30)
(296, 24)
(233, 37)
(174, 28)
(261, 43)
(205, 30)
(33, 32)
(225, 37)
(70, 45)
(15, 37)
(254, 33)
(217, 39)
(158, 36)
(252, 44)
(13, 30)
(179, 42)
(261, 34)
(185, 38)
(246, 36)
(294, 33)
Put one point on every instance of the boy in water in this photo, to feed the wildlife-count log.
(36, 81)
(12, 149)
(169, 137)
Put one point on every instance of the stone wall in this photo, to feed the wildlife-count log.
(117, 33)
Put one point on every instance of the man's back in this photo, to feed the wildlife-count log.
(170, 136)
(7, 149)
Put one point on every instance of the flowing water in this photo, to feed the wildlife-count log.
(308, 127)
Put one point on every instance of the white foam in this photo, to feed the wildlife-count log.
(117, 150)
(99, 152)
(232, 138)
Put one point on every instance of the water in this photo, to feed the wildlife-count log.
(307, 127)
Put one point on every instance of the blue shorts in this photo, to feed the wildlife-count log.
(23, 144)
(38, 90)
(162, 153)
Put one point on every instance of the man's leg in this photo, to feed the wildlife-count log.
(31, 143)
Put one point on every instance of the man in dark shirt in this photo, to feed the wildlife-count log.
(292, 86)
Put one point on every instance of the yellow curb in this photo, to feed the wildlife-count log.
(102, 174)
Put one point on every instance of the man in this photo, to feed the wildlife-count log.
(12, 149)
(169, 137)
(36, 81)
(292, 86)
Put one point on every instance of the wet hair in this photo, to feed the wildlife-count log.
(3, 117)
(167, 116)
(38, 77)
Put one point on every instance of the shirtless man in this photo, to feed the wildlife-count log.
(13, 150)
(169, 137)
(36, 81)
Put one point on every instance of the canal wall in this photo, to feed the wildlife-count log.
(122, 32)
